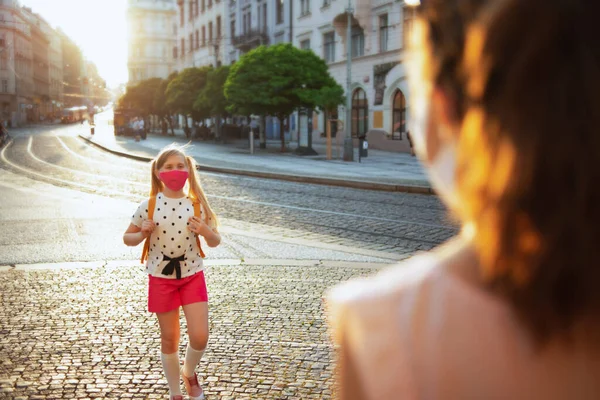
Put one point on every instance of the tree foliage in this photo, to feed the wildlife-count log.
(183, 90)
(279, 79)
(211, 100)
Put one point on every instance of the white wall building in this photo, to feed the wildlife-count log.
(151, 39)
(215, 32)
(257, 22)
(379, 86)
(200, 28)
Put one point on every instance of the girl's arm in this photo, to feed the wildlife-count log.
(135, 235)
(200, 227)
(212, 237)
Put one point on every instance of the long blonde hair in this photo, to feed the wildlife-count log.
(195, 192)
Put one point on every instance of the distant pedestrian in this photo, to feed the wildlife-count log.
(505, 100)
(174, 261)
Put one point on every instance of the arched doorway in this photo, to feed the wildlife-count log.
(398, 115)
(360, 113)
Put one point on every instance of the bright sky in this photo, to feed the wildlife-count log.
(98, 27)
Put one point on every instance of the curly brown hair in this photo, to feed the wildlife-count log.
(525, 75)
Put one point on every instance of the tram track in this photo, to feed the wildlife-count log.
(368, 226)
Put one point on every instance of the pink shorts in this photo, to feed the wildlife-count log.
(169, 294)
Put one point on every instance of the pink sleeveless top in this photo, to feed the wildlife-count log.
(415, 331)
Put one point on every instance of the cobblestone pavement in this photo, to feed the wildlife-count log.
(84, 333)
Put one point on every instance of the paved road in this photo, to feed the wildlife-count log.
(73, 330)
(388, 222)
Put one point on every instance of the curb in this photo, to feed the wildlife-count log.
(256, 262)
(414, 189)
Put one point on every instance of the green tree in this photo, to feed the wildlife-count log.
(183, 90)
(211, 100)
(277, 80)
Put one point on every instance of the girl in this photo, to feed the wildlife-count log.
(174, 266)
(510, 309)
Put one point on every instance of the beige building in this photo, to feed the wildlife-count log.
(16, 54)
(55, 69)
(72, 81)
(151, 39)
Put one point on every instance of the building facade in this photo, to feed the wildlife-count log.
(379, 87)
(201, 38)
(151, 39)
(252, 23)
(55, 69)
(72, 72)
(41, 67)
(16, 54)
(218, 32)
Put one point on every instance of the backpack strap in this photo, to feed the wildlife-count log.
(151, 206)
(198, 213)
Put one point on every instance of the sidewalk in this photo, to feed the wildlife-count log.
(379, 171)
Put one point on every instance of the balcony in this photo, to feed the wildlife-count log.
(251, 39)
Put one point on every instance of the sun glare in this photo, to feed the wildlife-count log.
(99, 28)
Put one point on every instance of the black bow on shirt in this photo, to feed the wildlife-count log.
(173, 265)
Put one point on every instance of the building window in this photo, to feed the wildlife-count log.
(209, 3)
(358, 42)
(3, 60)
(182, 15)
(182, 47)
(399, 115)
(262, 22)
(191, 13)
(304, 7)
(408, 13)
(233, 28)
(329, 47)
(279, 9)
(191, 42)
(218, 27)
(326, 3)
(203, 36)
(305, 44)
(196, 11)
(175, 52)
(203, 5)
(197, 39)
(360, 114)
(210, 33)
(4, 86)
(247, 21)
(383, 33)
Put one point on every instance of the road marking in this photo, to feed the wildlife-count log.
(63, 144)
(29, 171)
(276, 205)
(30, 151)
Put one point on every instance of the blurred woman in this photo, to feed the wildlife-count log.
(505, 101)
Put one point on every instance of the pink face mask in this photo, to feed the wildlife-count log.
(174, 180)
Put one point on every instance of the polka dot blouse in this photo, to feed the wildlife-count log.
(171, 238)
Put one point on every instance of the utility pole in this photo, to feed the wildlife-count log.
(348, 144)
